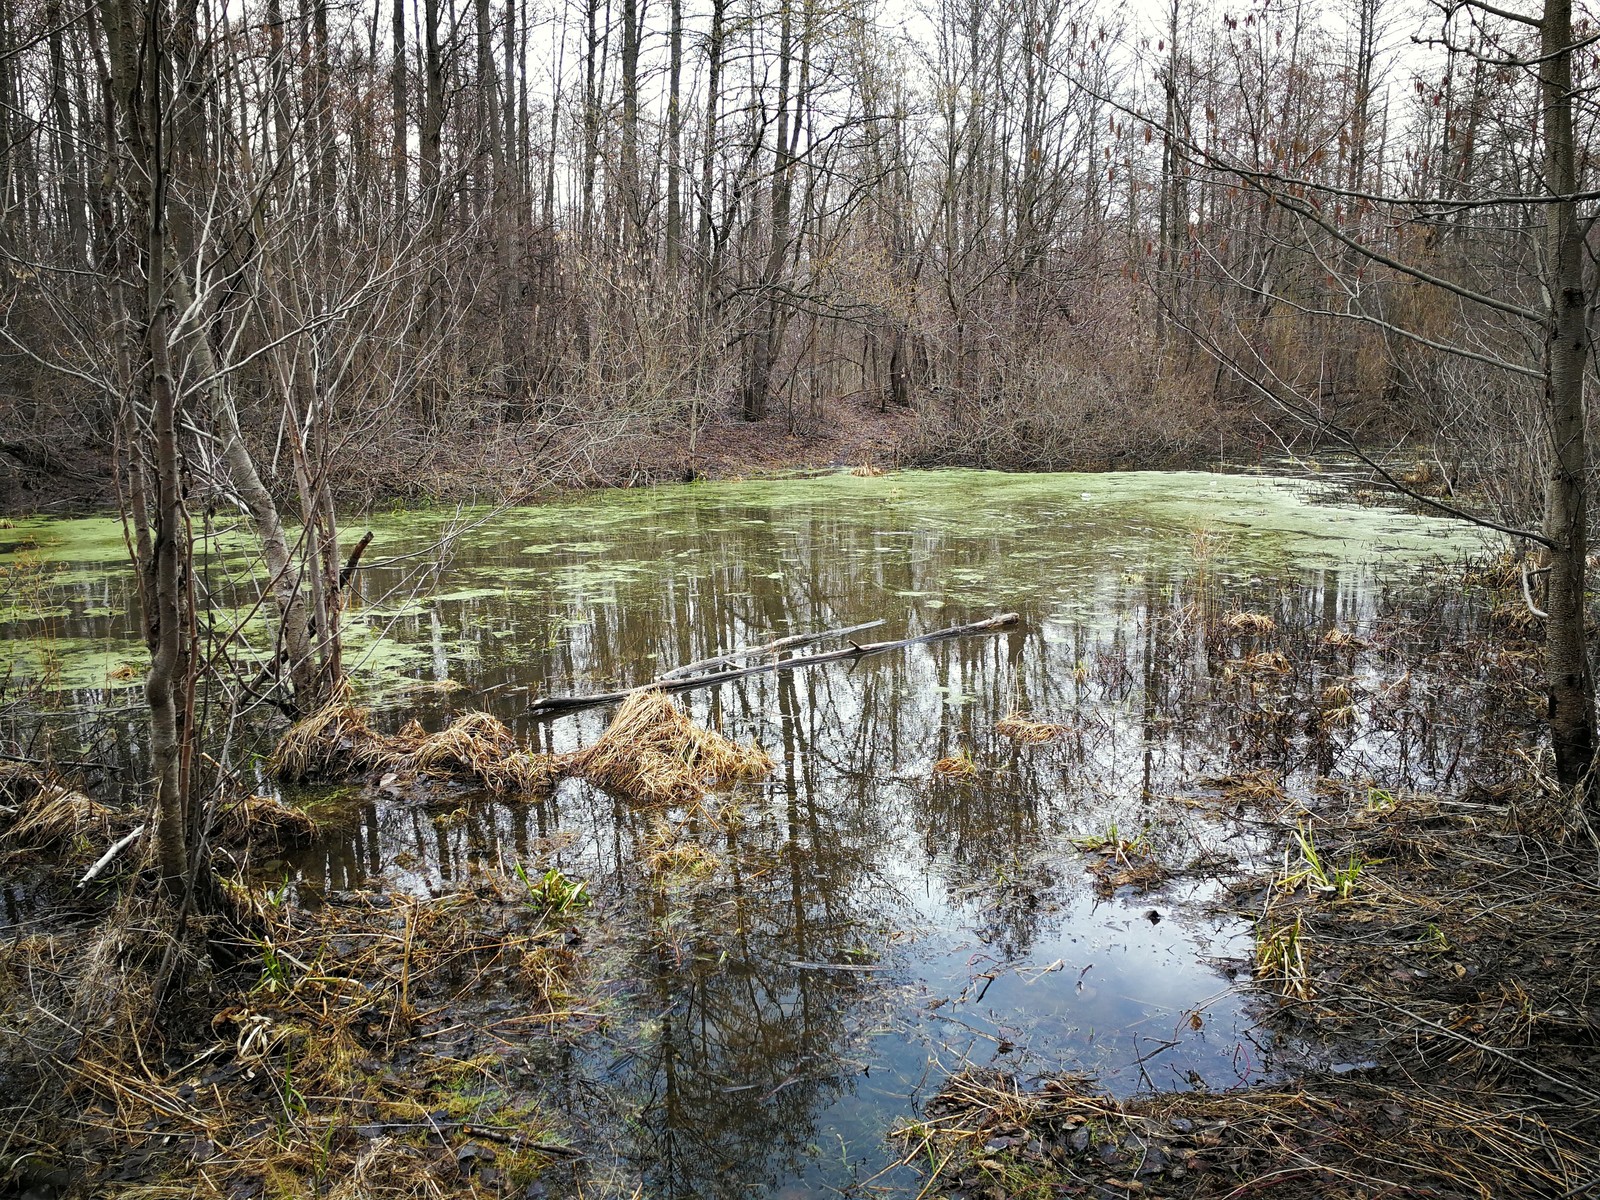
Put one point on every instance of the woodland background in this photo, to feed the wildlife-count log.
(501, 245)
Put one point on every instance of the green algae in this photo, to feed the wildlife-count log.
(958, 542)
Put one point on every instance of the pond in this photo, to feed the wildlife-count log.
(782, 977)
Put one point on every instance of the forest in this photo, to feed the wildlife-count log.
(569, 245)
(797, 598)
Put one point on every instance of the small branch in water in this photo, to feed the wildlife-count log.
(551, 705)
(104, 860)
(59, 762)
(353, 562)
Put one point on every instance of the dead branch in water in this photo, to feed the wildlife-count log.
(551, 705)
(793, 642)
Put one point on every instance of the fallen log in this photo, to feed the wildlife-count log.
(554, 705)
(792, 642)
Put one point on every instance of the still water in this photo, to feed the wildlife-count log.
(818, 951)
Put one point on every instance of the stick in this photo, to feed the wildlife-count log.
(56, 762)
(354, 561)
(783, 643)
(564, 704)
(105, 859)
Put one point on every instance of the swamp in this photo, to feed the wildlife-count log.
(1228, 867)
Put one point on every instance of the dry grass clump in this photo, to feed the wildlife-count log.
(1339, 639)
(1249, 622)
(337, 742)
(1254, 788)
(1028, 731)
(1273, 661)
(956, 766)
(985, 1135)
(44, 814)
(334, 742)
(480, 746)
(653, 753)
(370, 1048)
(264, 821)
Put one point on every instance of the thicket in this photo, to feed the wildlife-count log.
(461, 244)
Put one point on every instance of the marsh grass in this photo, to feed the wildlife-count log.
(39, 812)
(1119, 859)
(358, 1049)
(960, 766)
(264, 821)
(650, 753)
(1029, 732)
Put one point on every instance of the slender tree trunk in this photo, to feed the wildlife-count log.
(764, 342)
(65, 136)
(708, 152)
(631, 189)
(674, 233)
(1567, 672)
(397, 93)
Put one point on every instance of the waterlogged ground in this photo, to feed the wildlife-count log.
(781, 977)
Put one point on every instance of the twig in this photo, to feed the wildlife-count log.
(104, 860)
(1527, 595)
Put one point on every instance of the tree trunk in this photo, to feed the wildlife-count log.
(1567, 673)
(674, 137)
(397, 87)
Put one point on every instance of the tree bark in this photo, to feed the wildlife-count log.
(1567, 672)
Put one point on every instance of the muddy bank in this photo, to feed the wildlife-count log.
(527, 461)
(1432, 958)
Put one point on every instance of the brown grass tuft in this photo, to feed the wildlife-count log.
(1249, 622)
(45, 813)
(1028, 731)
(955, 766)
(334, 742)
(652, 752)
(264, 821)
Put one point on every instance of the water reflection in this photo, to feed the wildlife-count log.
(850, 929)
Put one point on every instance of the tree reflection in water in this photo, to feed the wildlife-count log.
(724, 1068)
